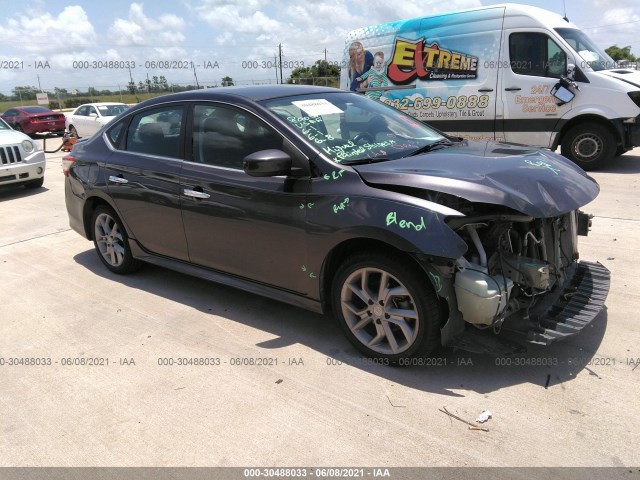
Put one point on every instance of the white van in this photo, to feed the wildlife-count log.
(506, 72)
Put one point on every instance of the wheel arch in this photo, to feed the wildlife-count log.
(340, 252)
(587, 118)
(90, 205)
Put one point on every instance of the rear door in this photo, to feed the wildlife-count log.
(143, 178)
(534, 62)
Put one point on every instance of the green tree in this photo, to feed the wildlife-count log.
(618, 53)
(227, 82)
(320, 73)
(25, 93)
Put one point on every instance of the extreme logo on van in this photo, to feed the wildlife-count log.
(411, 60)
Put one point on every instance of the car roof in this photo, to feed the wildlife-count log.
(253, 93)
(101, 104)
(22, 107)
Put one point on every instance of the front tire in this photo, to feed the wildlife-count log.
(35, 183)
(589, 145)
(386, 307)
(111, 241)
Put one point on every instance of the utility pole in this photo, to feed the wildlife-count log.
(280, 49)
(325, 54)
(275, 64)
(196, 76)
(39, 83)
(131, 79)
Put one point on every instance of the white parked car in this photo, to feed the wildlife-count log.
(21, 159)
(87, 119)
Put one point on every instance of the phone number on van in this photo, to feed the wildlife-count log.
(427, 103)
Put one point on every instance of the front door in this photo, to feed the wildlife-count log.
(535, 64)
(246, 226)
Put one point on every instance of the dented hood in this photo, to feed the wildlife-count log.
(529, 180)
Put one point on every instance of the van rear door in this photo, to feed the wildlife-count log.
(533, 63)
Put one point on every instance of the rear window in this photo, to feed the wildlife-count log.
(36, 110)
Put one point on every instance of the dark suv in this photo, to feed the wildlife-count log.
(334, 202)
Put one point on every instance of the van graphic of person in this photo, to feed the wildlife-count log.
(360, 61)
(376, 76)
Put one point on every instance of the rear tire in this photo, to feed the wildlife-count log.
(589, 145)
(386, 307)
(112, 242)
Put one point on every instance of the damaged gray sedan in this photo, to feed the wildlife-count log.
(337, 203)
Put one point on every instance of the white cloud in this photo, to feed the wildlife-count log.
(71, 28)
(139, 29)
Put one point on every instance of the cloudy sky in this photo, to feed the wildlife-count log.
(227, 35)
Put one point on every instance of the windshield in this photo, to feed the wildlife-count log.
(4, 126)
(591, 54)
(347, 127)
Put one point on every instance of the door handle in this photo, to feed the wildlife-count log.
(195, 194)
(485, 90)
(114, 179)
(513, 89)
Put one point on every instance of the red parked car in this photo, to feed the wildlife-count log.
(32, 119)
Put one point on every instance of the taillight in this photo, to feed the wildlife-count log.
(33, 119)
(66, 164)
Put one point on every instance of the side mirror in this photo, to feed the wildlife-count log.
(267, 163)
(563, 94)
(93, 115)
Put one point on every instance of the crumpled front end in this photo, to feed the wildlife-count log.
(522, 275)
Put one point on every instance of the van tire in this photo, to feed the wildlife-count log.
(589, 145)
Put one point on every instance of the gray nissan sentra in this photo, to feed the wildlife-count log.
(333, 202)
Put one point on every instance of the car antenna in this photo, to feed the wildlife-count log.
(565, 11)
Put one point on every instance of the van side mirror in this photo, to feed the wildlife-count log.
(562, 90)
(563, 94)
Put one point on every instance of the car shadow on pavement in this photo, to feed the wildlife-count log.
(10, 192)
(446, 372)
(622, 164)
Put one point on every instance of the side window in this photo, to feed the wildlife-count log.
(91, 110)
(536, 54)
(11, 113)
(82, 111)
(223, 136)
(156, 132)
(114, 134)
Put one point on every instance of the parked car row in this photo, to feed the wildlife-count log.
(84, 121)
(22, 161)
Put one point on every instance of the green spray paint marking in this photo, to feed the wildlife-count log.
(341, 206)
(543, 164)
(435, 279)
(309, 205)
(392, 219)
(311, 274)
(334, 175)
